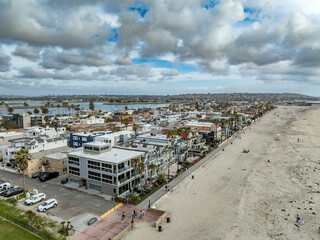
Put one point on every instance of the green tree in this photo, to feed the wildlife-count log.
(10, 110)
(22, 159)
(135, 164)
(126, 122)
(152, 168)
(10, 125)
(44, 110)
(91, 105)
(135, 128)
(25, 106)
(36, 111)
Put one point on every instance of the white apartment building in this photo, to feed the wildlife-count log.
(116, 138)
(34, 145)
(100, 167)
(92, 120)
(47, 131)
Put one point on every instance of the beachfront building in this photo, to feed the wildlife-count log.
(208, 127)
(100, 167)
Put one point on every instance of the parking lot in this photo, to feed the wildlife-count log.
(71, 203)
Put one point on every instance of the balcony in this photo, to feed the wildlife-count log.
(123, 180)
(120, 170)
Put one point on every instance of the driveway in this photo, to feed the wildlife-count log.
(71, 203)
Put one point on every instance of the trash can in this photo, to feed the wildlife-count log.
(168, 219)
(192, 176)
(159, 228)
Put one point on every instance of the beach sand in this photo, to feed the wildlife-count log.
(238, 195)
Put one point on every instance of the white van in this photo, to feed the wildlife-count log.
(35, 198)
(5, 186)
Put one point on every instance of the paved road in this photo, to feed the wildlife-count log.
(71, 203)
(162, 191)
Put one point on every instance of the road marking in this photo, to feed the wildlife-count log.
(111, 210)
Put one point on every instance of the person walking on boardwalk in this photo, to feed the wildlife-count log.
(123, 216)
(141, 213)
(297, 218)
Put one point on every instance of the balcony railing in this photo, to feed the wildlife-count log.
(120, 170)
(123, 179)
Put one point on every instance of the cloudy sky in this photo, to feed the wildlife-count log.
(159, 46)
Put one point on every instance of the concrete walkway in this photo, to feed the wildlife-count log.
(112, 225)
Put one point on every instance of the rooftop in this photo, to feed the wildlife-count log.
(113, 156)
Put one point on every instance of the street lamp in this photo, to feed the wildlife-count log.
(149, 203)
(114, 205)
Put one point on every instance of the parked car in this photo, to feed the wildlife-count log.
(48, 176)
(35, 198)
(4, 190)
(47, 204)
(12, 191)
(4, 186)
(92, 221)
(37, 175)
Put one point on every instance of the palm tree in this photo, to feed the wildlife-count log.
(135, 128)
(58, 106)
(36, 111)
(215, 122)
(171, 136)
(22, 159)
(126, 122)
(25, 106)
(151, 167)
(135, 165)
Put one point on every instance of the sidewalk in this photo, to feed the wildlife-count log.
(112, 225)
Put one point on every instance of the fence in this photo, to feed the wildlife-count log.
(41, 234)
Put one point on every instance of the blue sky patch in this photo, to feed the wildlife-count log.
(141, 10)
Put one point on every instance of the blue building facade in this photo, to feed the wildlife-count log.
(76, 140)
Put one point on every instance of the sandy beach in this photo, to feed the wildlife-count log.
(238, 195)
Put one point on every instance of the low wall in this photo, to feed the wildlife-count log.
(124, 231)
(162, 215)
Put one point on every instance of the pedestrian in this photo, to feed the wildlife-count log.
(123, 216)
(302, 221)
(134, 213)
(297, 218)
(141, 214)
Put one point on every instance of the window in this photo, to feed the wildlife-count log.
(74, 161)
(95, 187)
(106, 178)
(106, 167)
(74, 171)
(84, 139)
(96, 149)
(93, 165)
(94, 175)
(88, 148)
(64, 162)
(65, 169)
(75, 138)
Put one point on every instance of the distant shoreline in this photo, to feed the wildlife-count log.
(133, 103)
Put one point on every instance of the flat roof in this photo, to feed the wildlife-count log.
(10, 134)
(57, 156)
(115, 155)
